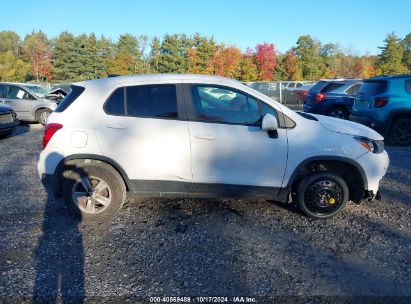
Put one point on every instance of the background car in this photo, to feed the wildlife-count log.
(301, 93)
(28, 101)
(8, 120)
(333, 97)
(294, 85)
(384, 103)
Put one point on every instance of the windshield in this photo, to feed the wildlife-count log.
(39, 91)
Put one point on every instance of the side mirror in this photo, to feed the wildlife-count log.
(269, 123)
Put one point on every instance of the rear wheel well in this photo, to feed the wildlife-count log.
(349, 172)
(70, 164)
(37, 112)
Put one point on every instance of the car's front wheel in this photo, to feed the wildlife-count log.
(94, 191)
(322, 195)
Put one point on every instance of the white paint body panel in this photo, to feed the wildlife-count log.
(161, 149)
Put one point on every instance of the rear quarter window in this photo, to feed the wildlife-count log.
(331, 86)
(75, 92)
(373, 87)
(115, 103)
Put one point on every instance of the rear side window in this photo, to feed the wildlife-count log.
(373, 87)
(318, 86)
(331, 86)
(353, 89)
(152, 101)
(1, 91)
(408, 86)
(115, 103)
(75, 92)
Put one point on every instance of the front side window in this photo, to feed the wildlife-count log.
(152, 101)
(15, 92)
(222, 105)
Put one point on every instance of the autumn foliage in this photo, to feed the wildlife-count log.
(266, 59)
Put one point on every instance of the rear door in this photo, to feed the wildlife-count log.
(228, 145)
(144, 130)
(20, 100)
(369, 89)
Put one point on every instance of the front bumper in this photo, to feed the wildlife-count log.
(375, 166)
(8, 126)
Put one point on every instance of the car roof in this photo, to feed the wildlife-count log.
(114, 80)
(387, 77)
(342, 80)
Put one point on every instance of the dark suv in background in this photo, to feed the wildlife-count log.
(333, 97)
(384, 104)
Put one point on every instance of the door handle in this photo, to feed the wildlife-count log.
(115, 126)
(207, 136)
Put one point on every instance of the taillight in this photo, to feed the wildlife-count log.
(320, 97)
(51, 128)
(380, 101)
(305, 93)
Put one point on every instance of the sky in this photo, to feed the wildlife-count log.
(360, 25)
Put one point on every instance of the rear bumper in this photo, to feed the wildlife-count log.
(378, 126)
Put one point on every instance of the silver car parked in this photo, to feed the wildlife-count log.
(28, 101)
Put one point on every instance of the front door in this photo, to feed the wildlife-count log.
(228, 145)
(20, 100)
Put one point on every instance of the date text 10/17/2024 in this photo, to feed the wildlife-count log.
(238, 299)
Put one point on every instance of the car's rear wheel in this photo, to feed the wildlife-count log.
(338, 112)
(94, 191)
(322, 195)
(42, 116)
(400, 132)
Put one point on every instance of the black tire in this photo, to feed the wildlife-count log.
(322, 195)
(338, 112)
(400, 132)
(96, 172)
(42, 116)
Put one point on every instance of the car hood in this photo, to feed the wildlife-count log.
(347, 127)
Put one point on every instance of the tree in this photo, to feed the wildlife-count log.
(121, 64)
(248, 68)
(291, 67)
(307, 51)
(391, 58)
(225, 62)
(12, 68)
(198, 56)
(266, 59)
(406, 43)
(36, 47)
(155, 54)
(173, 54)
(9, 41)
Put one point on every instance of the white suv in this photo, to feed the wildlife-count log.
(202, 136)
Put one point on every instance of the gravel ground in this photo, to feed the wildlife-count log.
(164, 247)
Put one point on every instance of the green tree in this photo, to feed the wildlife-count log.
(202, 50)
(307, 51)
(291, 68)
(406, 43)
(66, 57)
(391, 58)
(173, 54)
(12, 68)
(155, 54)
(9, 41)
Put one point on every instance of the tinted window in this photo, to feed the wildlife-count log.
(331, 86)
(14, 92)
(152, 101)
(115, 103)
(1, 91)
(291, 85)
(407, 86)
(373, 87)
(299, 85)
(70, 98)
(318, 86)
(221, 105)
(354, 89)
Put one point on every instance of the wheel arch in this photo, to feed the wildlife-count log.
(350, 170)
(68, 161)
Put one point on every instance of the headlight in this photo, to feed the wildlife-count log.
(374, 146)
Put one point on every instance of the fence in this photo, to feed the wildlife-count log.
(281, 92)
